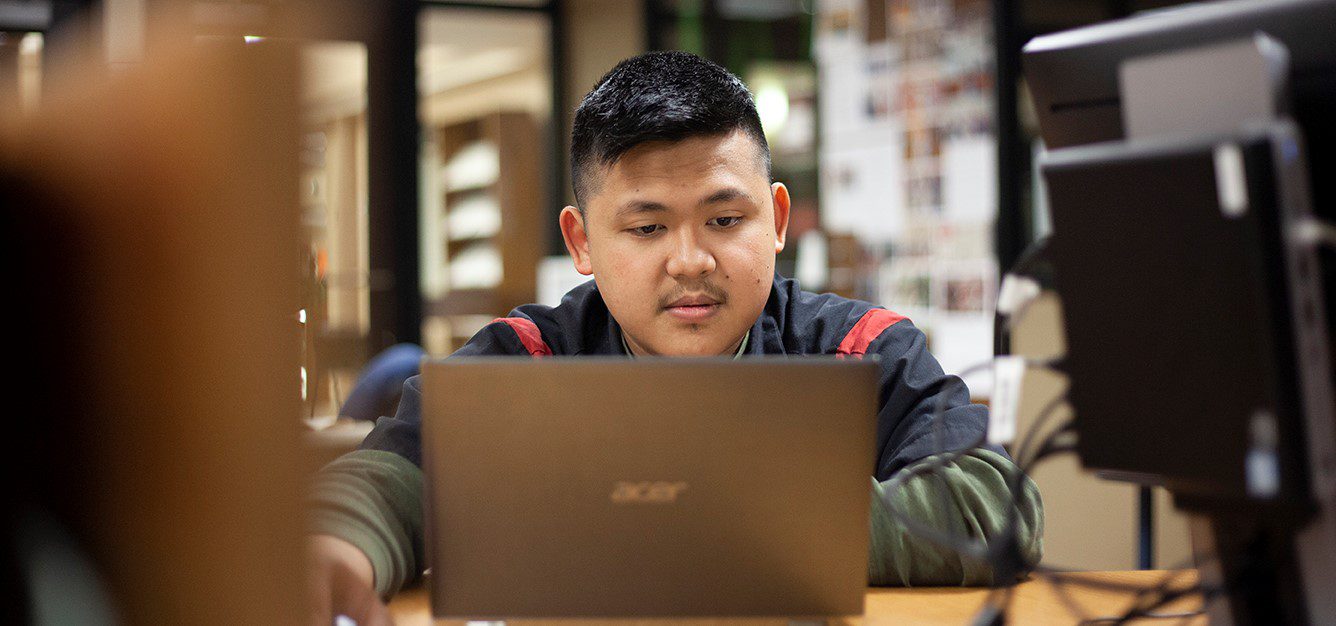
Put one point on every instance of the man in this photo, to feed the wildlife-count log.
(679, 224)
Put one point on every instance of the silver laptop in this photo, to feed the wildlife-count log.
(606, 487)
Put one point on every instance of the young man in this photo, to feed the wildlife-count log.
(679, 224)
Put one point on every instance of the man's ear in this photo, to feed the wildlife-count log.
(577, 239)
(779, 196)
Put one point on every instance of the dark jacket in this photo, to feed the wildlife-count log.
(794, 322)
(373, 497)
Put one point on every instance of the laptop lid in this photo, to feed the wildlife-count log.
(609, 487)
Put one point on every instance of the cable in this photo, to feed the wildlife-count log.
(1060, 589)
(1028, 454)
(965, 546)
(1052, 447)
(1165, 597)
(1148, 612)
(1076, 577)
(1024, 465)
(992, 613)
(1139, 610)
(1031, 273)
(961, 545)
(1025, 461)
(1119, 620)
(1003, 554)
(1034, 261)
(1034, 447)
(1021, 285)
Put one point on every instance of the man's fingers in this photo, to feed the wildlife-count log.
(366, 606)
(379, 615)
(341, 585)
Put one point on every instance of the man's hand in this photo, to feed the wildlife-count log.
(342, 582)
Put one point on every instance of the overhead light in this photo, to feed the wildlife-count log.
(772, 106)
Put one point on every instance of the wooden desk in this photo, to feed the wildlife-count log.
(1034, 602)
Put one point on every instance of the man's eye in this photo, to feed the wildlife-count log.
(726, 222)
(645, 231)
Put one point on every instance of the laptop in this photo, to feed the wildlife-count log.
(648, 488)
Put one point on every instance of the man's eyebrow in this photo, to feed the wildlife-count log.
(727, 194)
(641, 206)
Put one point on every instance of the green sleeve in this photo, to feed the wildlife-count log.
(972, 501)
(373, 500)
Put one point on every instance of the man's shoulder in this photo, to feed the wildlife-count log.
(806, 306)
(579, 324)
(827, 323)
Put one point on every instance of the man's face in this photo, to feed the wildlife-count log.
(681, 238)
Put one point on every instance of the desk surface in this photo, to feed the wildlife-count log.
(1035, 602)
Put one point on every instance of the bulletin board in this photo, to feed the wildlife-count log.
(908, 160)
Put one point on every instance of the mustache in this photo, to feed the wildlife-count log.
(707, 288)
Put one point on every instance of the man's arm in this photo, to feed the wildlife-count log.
(373, 500)
(372, 497)
(968, 498)
(925, 412)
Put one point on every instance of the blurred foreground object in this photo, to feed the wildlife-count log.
(152, 219)
(1187, 151)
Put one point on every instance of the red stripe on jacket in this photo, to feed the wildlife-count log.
(868, 328)
(529, 335)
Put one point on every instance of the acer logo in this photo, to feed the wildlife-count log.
(646, 492)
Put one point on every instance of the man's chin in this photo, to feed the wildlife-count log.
(694, 347)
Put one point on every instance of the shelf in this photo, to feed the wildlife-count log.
(470, 188)
(490, 226)
(469, 239)
(462, 302)
(473, 165)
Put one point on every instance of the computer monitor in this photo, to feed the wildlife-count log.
(1186, 171)
(1076, 79)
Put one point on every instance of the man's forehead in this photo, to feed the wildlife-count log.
(735, 151)
(704, 165)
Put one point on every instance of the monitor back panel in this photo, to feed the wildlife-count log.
(648, 488)
(1178, 316)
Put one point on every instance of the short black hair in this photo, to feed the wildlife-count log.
(668, 95)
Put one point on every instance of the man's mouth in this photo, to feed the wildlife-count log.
(693, 308)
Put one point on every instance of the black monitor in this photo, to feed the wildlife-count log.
(1187, 165)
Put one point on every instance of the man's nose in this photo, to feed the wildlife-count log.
(689, 259)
